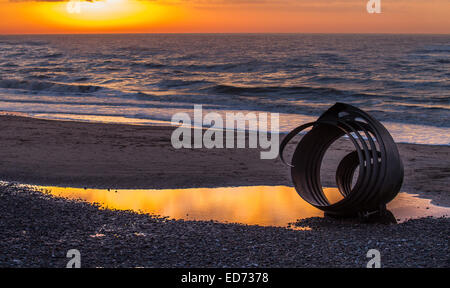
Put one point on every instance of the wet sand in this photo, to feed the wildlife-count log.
(77, 154)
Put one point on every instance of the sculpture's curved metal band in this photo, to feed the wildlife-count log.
(380, 173)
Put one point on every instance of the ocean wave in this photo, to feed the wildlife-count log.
(9, 64)
(337, 79)
(47, 86)
(277, 90)
(223, 67)
(52, 55)
(434, 49)
(15, 54)
(148, 65)
(136, 48)
(40, 69)
(443, 61)
(24, 43)
(177, 83)
(333, 58)
(200, 67)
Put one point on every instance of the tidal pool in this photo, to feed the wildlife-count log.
(253, 205)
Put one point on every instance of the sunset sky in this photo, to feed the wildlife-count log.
(222, 16)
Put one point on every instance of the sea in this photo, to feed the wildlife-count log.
(402, 80)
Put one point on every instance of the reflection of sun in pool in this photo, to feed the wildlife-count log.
(253, 205)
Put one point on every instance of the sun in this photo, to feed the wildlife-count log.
(107, 14)
(92, 16)
(77, 6)
(73, 6)
(98, 10)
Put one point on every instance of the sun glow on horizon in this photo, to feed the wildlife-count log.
(98, 7)
(212, 16)
(106, 14)
(78, 16)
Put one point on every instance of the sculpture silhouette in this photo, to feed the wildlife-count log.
(380, 173)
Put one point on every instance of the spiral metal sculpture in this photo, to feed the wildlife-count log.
(380, 173)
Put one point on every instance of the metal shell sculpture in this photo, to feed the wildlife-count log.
(380, 173)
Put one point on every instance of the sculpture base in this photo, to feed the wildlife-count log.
(378, 216)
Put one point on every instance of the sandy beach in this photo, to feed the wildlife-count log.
(38, 228)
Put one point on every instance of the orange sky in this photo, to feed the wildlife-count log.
(222, 16)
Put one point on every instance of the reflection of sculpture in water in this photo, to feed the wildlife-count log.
(376, 157)
(382, 216)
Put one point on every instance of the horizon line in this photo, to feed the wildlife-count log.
(224, 33)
